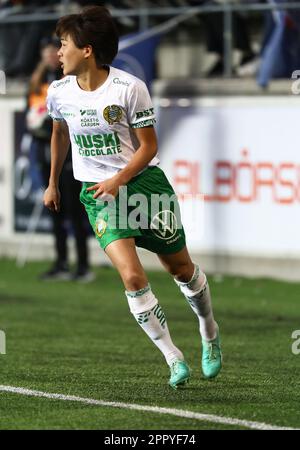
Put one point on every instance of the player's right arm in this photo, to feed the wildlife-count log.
(60, 143)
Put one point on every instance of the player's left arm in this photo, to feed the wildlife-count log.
(146, 151)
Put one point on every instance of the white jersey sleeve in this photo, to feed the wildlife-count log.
(140, 109)
(51, 104)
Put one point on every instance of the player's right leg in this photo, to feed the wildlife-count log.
(145, 308)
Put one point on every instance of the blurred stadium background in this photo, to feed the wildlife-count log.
(227, 124)
(224, 79)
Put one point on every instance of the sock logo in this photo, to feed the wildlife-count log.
(190, 300)
(158, 312)
(143, 318)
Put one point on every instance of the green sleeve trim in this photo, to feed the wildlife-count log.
(57, 119)
(144, 123)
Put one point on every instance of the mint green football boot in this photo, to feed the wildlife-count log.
(180, 374)
(211, 357)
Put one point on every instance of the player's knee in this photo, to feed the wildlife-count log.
(183, 272)
(196, 284)
(133, 281)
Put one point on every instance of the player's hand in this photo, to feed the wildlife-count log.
(52, 198)
(106, 189)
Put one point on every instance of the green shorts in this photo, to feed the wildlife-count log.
(146, 209)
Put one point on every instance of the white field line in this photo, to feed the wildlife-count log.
(153, 409)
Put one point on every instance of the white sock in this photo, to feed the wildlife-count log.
(150, 316)
(197, 293)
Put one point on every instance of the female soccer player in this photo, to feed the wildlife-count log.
(108, 116)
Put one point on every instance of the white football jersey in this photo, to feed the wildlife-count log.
(100, 122)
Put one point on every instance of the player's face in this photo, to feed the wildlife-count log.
(71, 57)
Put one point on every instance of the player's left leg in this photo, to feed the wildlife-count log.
(194, 286)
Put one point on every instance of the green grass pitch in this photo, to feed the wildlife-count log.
(76, 339)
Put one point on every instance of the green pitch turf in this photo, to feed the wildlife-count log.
(75, 339)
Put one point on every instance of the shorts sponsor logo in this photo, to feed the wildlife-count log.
(164, 225)
(112, 114)
(173, 240)
(101, 226)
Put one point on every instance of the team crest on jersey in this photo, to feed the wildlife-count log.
(112, 114)
(100, 227)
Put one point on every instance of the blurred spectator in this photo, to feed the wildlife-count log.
(214, 26)
(280, 52)
(19, 42)
(39, 124)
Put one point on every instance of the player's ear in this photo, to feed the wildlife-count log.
(88, 50)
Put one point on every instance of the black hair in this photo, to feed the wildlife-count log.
(93, 26)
